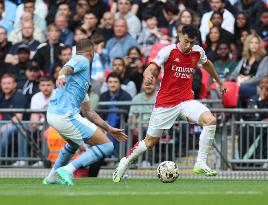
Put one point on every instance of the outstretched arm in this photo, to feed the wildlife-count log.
(150, 73)
(209, 67)
(97, 120)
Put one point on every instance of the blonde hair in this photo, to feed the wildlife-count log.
(260, 52)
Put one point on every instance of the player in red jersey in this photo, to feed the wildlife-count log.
(177, 63)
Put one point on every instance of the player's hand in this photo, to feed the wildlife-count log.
(148, 79)
(222, 88)
(118, 134)
(61, 81)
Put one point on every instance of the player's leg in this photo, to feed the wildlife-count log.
(161, 119)
(63, 158)
(66, 129)
(101, 147)
(137, 150)
(208, 121)
(85, 132)
(196, 112)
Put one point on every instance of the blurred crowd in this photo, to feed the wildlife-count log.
(37, 37)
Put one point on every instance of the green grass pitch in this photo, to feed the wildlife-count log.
(94, 191)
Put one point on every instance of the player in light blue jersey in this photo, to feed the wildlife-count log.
(64, 115)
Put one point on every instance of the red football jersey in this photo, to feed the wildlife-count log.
(177, 70)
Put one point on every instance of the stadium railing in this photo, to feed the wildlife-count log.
(238, 144)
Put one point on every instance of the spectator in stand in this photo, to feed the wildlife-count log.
(240, 43)
(65, 54)
(150, 34)
(213, 39)
(251, 68)
(27, 39)
(252, 8)
(82, 7)
(97, 70)
(241, 23)
(28, 85)
(135, 66)
(228, 18)
(262, 26)
(171, 14)
(98, 7)
(107, 25)
(40, 100)
(18, 70)
(10, 98)
(134, 7)
(133, 23)
(224, 66)
(5, 45)
(127, 84)
(47, 53)
(156, 7)
(36, 7)
(90, 23)
(187, 17)
(66, 36)
(29, 7)
(64, 8)
(119, 45)
(147, 96)
(114, 94)
(16, 35)
(5, 22)
(216, 20)
(79, 33)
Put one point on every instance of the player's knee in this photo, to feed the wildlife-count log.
(150, 142)
(108, 148)
(71, 147)
(211, 120)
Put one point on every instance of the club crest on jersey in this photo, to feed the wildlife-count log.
(193, 59)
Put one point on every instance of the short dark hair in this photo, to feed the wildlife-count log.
(3, 3)
(216, 13)
(222, 1)
(84, 45)
(119, 59)
(114, 75)
(97, 38)
(171, 7)
(32, 66)
(190, 30)
(29, 1)
(81, 29)
(9, 75)
(64, 47)
(46, 78)
(64, 2)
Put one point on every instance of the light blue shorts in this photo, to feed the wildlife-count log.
(75, 128)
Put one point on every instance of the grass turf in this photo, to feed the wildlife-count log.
(134, 191)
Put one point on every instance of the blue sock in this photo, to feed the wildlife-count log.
(93, 154)
(65, 155)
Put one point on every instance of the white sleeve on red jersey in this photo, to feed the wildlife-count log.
(203, 58)
(163, 55)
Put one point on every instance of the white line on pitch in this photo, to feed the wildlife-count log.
(125, 193)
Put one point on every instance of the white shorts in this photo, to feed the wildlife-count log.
(75, 128)
(164, 118)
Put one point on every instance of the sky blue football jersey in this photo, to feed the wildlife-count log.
(67, 100)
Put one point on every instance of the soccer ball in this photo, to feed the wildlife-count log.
(167, 172)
